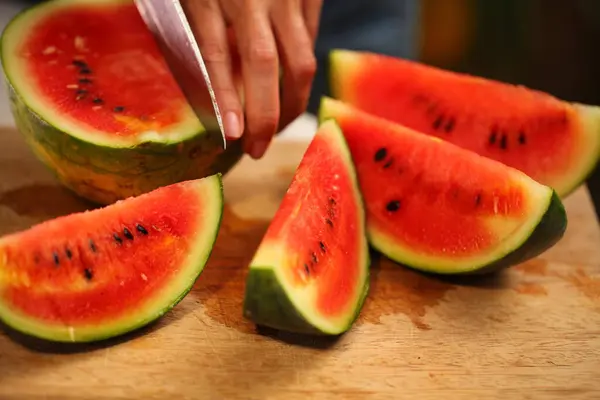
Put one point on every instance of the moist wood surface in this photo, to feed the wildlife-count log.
(531, 332)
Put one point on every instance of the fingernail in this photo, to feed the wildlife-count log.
(257, 150)
(232, 126)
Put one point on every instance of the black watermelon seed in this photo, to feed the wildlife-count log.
(380, 154)
(68, 253)
(92, 246)
(478, 199)
(503, 141)
(55, 258)
(314, 258)
(141, 229)
(117, 238)
(306, 269)
(329, 222)
(438, 122)
(80, 64)
(322, 245)
(393, 205)
(119, 109)
(127, 234)
(449, 127)
(85, 81)
(85, 71)
(88, 274)
(332, 201)
(522, 138)
(493, 135)
(97, 100)
(389, 163)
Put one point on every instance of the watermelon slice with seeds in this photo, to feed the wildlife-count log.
(310, 272)
(99, 274)
(555, 142)
(437, 207)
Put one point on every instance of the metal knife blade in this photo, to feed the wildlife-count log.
(168, 23)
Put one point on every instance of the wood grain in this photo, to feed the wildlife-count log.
(530, 332)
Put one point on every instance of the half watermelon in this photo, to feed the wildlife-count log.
(310, 272)
(436, 207)
(94, 98)
(102, 273)
(555, 142)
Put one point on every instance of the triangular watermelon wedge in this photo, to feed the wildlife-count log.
(99, 274)
(555, 142)
(437, 207)
(310, 272)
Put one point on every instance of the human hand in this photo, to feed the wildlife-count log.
(268, 34)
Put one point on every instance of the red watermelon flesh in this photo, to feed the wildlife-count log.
(100, 273)
(436, 206)
(555, 142)
(310, 272)
(93, 67)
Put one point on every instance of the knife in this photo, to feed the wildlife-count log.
(171, 29)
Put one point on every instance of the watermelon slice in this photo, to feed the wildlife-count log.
(94, 98)
(102, 273)
(310, 272)
(436, 207)
(554, 142)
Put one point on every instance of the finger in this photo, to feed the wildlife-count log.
(208, 24)
(312, 16)
(298, 59)
(261, 82)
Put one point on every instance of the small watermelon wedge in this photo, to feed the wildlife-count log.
(310, 272)
(555, 142)
(436, 207)
(99, 274)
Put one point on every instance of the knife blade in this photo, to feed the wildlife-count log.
(168, 23)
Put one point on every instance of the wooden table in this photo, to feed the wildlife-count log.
(530, 332)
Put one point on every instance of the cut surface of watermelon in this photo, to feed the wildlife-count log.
(434, 206)
(310, 272)
(555, 142)
(93, 69)
(95, 99)
(98, 274)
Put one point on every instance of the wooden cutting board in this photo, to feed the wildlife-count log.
(530, 332)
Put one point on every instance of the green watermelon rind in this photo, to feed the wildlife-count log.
(104, 169)
(267, 303)
(269, 299)
(534, 237)
(192, 270)
(588, 118)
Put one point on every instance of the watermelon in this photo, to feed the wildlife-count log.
(555, 142)
(310, 272)
(437, 207)
(99, 274)
(95, 100)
